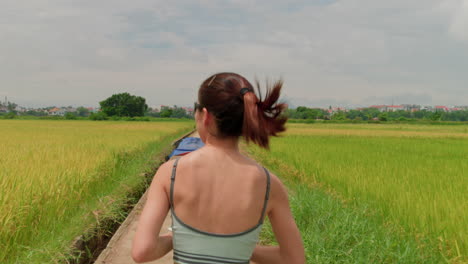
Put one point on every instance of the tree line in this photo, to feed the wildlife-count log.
(124, 106)
(369, 114)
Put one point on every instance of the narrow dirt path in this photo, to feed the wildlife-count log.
(118, 251)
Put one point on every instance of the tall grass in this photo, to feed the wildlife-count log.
(413, 176)
(57, 176)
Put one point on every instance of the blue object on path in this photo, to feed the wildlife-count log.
(187, 145)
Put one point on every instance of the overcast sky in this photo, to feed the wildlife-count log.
(328, 52)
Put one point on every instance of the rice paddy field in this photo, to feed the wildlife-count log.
(360, 193)
(57, 177)
(374, 193)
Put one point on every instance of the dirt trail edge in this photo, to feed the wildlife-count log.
(118, 251)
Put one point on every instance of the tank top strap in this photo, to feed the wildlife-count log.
(267, 196)
(173, 175)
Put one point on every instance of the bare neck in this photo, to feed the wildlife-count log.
(228, 144)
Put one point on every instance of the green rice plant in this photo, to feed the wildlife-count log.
(411, 176)
(335, 233)
(57, 177)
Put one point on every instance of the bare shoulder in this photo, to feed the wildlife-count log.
(278, 190)
(163, 175)
(278, 193)
(164, 169)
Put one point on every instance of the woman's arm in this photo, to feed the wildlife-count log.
(147, 245)
(290, 249)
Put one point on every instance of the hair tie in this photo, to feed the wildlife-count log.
(243, 91)
(212, 79)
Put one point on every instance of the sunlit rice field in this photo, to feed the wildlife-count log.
(54, 174)
(413, 176)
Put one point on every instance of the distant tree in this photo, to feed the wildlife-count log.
(179, 112)
(340, 115)
(11, 107)
(10, 115)
(302, 112)
(369, 113)
(456, 116)
(124, 104)
(436, 116)
(383, 116)
(396, 115)
(82, 111)
(153, 113)
(70, 115)
(420, 114)
(35, 113)
(354, 115)
(165, 112)
(98, 116)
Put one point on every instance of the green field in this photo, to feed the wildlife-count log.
(58, 177)
(360, 193)
(403, 185)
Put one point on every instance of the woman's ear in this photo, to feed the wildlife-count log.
(209, 122)
(207, 118)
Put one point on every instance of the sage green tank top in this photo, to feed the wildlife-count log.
(194, 246)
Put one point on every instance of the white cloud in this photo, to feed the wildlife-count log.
(346, 50)
(459, 24)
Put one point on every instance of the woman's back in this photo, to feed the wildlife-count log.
(218, 191)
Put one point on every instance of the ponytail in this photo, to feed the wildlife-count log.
(262, 118)
(239, 112)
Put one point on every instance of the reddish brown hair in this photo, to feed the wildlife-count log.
(245, 115)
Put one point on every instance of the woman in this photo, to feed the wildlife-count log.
(219, 197)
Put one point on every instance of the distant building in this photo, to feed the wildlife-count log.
(455, 109)
(411, 108)
(153, 110)
(441, 108)
(188, 110)
(20, 109)
(57, 111)
(393, 108)
(427, 108)
(93, 110)
(333, 110)
(381, 108)
(70, 109)
(462, 107)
